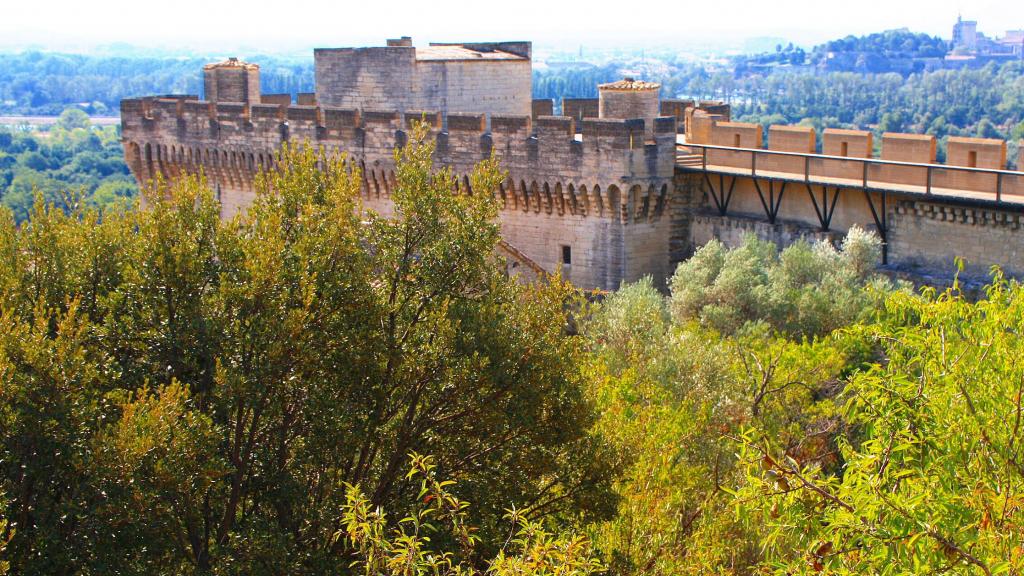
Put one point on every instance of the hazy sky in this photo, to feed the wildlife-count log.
(274, 25)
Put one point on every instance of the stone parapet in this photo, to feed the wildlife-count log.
(159, 132)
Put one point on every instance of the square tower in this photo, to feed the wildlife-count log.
(488, 78)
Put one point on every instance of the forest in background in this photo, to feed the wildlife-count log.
(44, 83)
(68, 162)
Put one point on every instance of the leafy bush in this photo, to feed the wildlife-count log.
(630, 323)
(806, 290)
(932, 480)
(409, 547)
(673, 396)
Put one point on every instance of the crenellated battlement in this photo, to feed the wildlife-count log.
(961, 152)
(167, 136)
(600, 186)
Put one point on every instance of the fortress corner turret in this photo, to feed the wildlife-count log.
(629, 99)
(232, 81)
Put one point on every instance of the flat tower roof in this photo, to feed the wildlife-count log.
(457, 52)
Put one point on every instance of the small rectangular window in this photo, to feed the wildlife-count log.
(736, 141)
(972, 159)
(846, 149)
(566, 255)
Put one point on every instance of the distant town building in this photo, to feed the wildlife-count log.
(965, 35)
(969, 45)
(1014, 41)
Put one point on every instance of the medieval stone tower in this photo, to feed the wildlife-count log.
(232, 81)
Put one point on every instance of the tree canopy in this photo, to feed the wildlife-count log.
(185, 394)
(70, 162)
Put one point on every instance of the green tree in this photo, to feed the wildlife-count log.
(673, 396)
(931, 480)
(73, 118)
(113, 194)
(804, 290)
(986, 129)
(196, 394)
(1017, 133)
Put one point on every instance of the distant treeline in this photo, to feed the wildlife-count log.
(47, 83)
(38, 83)
(69, 163)
(986, 102)
(889, 51)
(572, 82)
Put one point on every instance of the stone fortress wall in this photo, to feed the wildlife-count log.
(591, 198)
(587, 191)
(602, 192)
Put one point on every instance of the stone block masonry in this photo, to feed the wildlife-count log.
(484, 78)
(923, 236)
(232, 81)
(930, 235)
(603, 194)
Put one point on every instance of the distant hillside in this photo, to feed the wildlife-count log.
(889, 44)
(900, 51)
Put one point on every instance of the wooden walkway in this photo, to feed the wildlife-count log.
(1003, 191)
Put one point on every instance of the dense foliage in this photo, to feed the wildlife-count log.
(887, 443)
(675, 393)
(891, 43)
(932, 478)
(806, 290)
(71, 157)
(404, 549)
(182, 394)
(572, 82)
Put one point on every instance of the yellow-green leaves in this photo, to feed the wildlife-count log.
(182, 393)
(931, 479)
(411, 547)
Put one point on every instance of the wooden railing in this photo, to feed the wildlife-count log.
(1000, 178)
